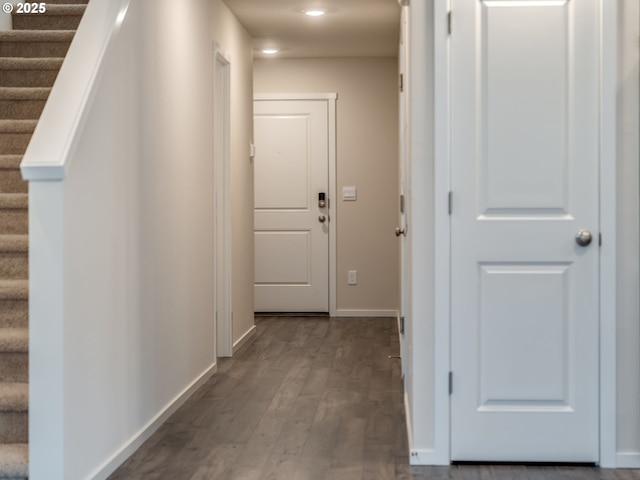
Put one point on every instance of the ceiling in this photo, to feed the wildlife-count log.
(350, 28)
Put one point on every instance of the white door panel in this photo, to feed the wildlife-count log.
(291, 169)
(524, 307)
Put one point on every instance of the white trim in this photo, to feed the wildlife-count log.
(295, 96)
(442, 240)
(333, 204)
(222, 208)
(608, 226)
(347, 312)
(628, 460)
(330, 98)
(244, 339)
(142, 435)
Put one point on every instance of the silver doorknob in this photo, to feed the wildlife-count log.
(401, 231)
(583, 238)
(322, 218)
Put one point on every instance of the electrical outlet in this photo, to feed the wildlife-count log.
(352, 277)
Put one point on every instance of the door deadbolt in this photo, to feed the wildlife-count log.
(322, 200)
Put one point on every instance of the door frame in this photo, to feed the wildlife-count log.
(222, 204)
(330, 99)
(441, 451)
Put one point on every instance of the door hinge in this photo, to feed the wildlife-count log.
(449, 22)
(600, 239)
(450, 202)
(402, 325)
(401, 82)
(401, 203)
(450, 383)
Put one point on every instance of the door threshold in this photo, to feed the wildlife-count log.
(526, 464)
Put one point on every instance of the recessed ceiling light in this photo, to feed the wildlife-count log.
(270, 51)
(314, 12)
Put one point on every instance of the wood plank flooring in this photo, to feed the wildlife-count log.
(309, 398)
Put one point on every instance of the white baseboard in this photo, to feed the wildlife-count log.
(346, 312)
(628, 460)
(242, 340)
(424, 458)
(150, 428)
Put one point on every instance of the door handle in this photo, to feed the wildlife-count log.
(583, 238)
(322, 218)
(401, 231)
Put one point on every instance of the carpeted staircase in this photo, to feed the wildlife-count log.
(30, 58)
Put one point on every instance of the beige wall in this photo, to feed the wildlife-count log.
(367, 157)
(236, 44)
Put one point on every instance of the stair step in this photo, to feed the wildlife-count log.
(23, 103)
(14, 340)
(14, 201)
(35, 43)
(24, 94)
(17, 126)
(10, 162)
(14, 419)
(14, 367)
(15, 135)
(29, 72)
(10, 177)
(14, 461)
(14, 427)
(14, 243)
(14, 257)
(14, 313)
(14, 218)
(14, 289)
(57, 17)
(14, 397)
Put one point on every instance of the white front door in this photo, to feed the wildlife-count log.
(291, 175)
(524, 147)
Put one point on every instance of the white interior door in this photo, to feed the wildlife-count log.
(524, 146)
(291, 224)
(222, 207)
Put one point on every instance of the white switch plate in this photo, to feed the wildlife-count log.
(349, 194)
(352, 277)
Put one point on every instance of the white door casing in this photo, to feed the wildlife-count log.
(292, 230)
(525, 179)
(222, 205)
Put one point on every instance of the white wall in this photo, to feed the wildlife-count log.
(367, 158)
(122, 265)
(236, 44)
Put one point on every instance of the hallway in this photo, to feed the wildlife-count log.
(307, 398)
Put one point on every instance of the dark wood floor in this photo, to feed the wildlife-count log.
(309, 398)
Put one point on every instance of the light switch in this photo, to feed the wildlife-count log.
(349, 194)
